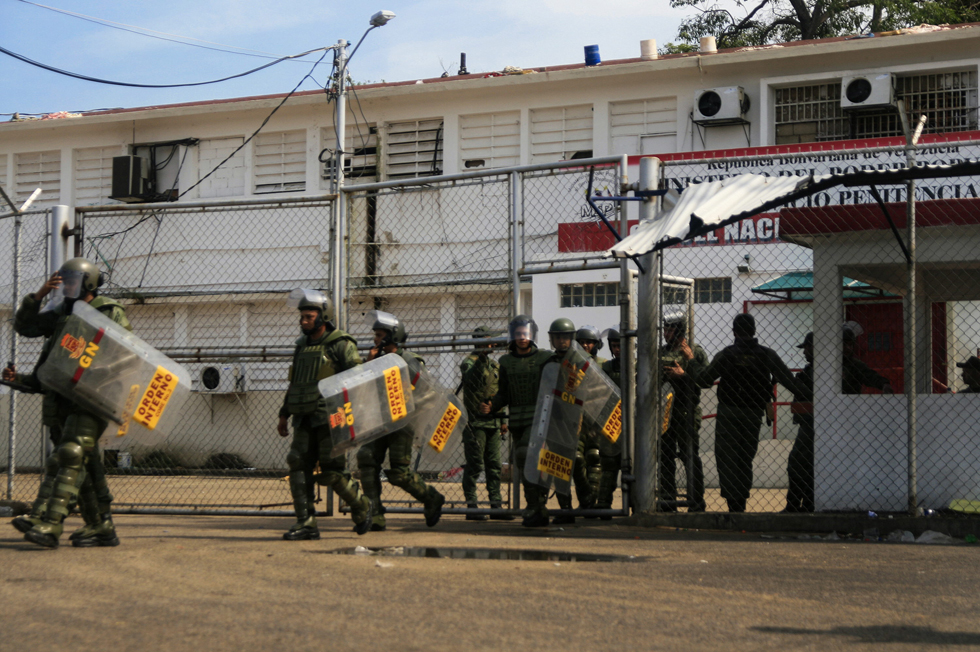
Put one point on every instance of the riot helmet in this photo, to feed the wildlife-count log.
(79, 277)
(675, 326)
(561, 332)
(522, 325)
(306, 299)
(611, 335)
(387, 322)
(589, 335)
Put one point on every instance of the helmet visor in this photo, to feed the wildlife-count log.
(522, 330)
(380, 320)
(301, 296)
(71, 283)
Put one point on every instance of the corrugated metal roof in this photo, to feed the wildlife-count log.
(705, 206)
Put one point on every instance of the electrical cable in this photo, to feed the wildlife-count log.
(97, 80)
(134, 29)
(261, 126)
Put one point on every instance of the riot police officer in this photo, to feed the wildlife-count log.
(482, 435)
(322, 351)
(74, 471)
(520, 376)
(681, 365)
(389, 337)
(609, 455)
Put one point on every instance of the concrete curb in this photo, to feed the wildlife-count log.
(954, 526)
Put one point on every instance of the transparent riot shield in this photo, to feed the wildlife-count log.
(603, 408)
(439, 415)
(367, 402)
(554, 434)
(105, 369)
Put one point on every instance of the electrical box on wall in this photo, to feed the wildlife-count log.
(130, 179)
(728, 105)
(873, 90)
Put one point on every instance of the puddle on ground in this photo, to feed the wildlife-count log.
(482, 553)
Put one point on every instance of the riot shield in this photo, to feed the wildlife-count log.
(666, 406)
(603, 408)
(367, 402)
(105, 369)
(554, 434)
(439, 414)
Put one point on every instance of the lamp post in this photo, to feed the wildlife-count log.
(338, 250)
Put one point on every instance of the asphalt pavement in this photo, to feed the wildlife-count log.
(231, 583)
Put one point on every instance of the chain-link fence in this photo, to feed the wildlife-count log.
(856, 305)
(23, 268)
(454, 254)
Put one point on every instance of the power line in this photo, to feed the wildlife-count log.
(163, 36)
(130, 85)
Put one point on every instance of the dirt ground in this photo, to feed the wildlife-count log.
(231, 583)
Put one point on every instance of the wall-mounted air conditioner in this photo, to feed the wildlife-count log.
(222, 379)
(720, 105)
(130, 179)
(867, 91)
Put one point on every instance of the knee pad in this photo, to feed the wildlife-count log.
(69, 455)
(51, 464)
(592, 457)
(398, 476)
(330, 479)
(294, 460)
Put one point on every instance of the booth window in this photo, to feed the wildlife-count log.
(587, 295)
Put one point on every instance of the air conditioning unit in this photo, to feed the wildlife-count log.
(720, 105)
(130, 179)
(222, 379)
(867, 91)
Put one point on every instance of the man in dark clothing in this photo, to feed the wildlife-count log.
(799, 468)
(747, 372)
(855, 374)
(971, 374)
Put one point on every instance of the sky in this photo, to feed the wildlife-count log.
(424, 40)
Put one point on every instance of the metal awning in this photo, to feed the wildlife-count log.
(798, 286)
(704, 207)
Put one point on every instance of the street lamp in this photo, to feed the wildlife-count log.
(340, 127)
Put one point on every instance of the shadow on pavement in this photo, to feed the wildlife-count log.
(885, 634)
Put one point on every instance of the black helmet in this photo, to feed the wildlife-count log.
(611, 335)
(522, 321)
(385, 321)
(589, 334)
(79, 277)
(306, 299)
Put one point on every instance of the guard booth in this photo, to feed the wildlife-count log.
(861, 443)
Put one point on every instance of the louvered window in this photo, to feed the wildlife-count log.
(490, 140)
(561, 134)
(360, 154)
(93, 175)
(643, 126)
(38, 170)
(280, 162)
(413, 149)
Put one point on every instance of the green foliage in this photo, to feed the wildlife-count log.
(762, 22)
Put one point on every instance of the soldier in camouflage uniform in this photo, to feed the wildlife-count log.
(389, 336)
(482, 435)
(682, 364)
(321, 352)
(520, 376)
(74, 471)
(609, 461)
(590, 340)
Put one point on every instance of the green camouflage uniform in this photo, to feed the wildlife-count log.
(682, 437)
(74, 471)
(520, 376)
(314, 360)
(399, 446)
(481, 437)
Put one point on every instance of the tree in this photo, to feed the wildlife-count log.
(761, 22)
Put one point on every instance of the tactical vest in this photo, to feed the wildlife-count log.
(523, 379)
(311, 364)
(482, 387)
(611, 369)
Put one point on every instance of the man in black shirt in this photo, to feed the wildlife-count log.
(747, 372)
(971, 375)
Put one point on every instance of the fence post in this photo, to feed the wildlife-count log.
(627, 348)
(648, 356)
(12, 419)
(516, 219)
